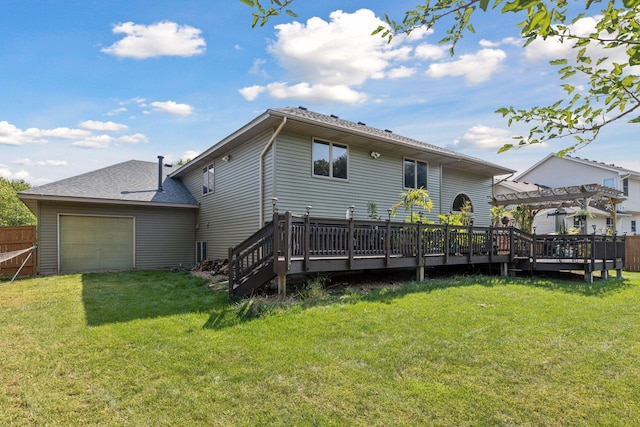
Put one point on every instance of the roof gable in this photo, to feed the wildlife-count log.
(589, 163)
(133, 182)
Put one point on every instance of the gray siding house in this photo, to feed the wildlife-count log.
(305, 159)
(224, 195)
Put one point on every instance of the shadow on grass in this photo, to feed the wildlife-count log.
(126, 296)
(368, 288)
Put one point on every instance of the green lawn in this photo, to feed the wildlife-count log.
(159, 348)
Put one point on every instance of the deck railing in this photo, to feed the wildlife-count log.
(302, 239)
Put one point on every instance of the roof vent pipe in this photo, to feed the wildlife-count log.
(160, 159)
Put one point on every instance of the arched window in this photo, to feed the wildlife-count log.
(462, 202)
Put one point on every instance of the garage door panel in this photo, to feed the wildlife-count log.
(95, 243)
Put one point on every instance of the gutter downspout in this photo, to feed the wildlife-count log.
(261, 168)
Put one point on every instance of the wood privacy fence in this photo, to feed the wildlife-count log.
(632, 262)
(15, 239)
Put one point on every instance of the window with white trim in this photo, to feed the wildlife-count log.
(330, 159)
(633, 225)
(609, 182)
(415, 173)
(208, 179)
(609, 222)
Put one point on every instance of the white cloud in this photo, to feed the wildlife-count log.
(250, 93)
(6, 173)
(102, 126)
(117, 111)
(95, 141)
(513, 41)
(338, 52)
(60, 133)
(315, 93)
(430, 51)
(29, 162)
(11, 135)
(552, 48)
(133, 139)
(326, 60)
(190, 154)
(401, 72)
(482, 137)
(173, 108)
(159, 39)
(476, 68)
(257, 69)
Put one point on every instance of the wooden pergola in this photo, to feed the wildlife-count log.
(594, 195)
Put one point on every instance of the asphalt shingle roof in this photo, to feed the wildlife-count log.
(133, 181)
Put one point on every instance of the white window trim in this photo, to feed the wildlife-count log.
(415, 170)
(331, 144)
(210, 185)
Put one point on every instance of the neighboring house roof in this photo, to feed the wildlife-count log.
(593, 163)
(298, 119)
(517, 186)
(132, 182)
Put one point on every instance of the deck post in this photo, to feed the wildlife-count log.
(420, 273)
(307, 239)
(351, 243)
(619, 273)
(588, 276)
(282, 285)
(387, 244)
(447, 244)
(504, 269)
(419, 259)
(605, 273)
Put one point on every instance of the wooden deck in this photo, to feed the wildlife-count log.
(299, 245)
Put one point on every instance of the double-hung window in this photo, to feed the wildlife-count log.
(415, 174)
(330, 159)
(208, 179)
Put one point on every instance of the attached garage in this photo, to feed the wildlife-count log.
(94, 243)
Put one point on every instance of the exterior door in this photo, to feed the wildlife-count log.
(95, 243)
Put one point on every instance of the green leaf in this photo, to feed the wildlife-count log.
(558, 62)
(505, 147)
(635, 120)
(484, 4)
(248, 2)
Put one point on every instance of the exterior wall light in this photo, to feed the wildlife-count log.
(374, 154)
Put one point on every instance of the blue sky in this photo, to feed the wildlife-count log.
(86, 84)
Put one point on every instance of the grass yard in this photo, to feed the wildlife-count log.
(160, 348)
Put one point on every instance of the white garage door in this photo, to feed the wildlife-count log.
(91, 243)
